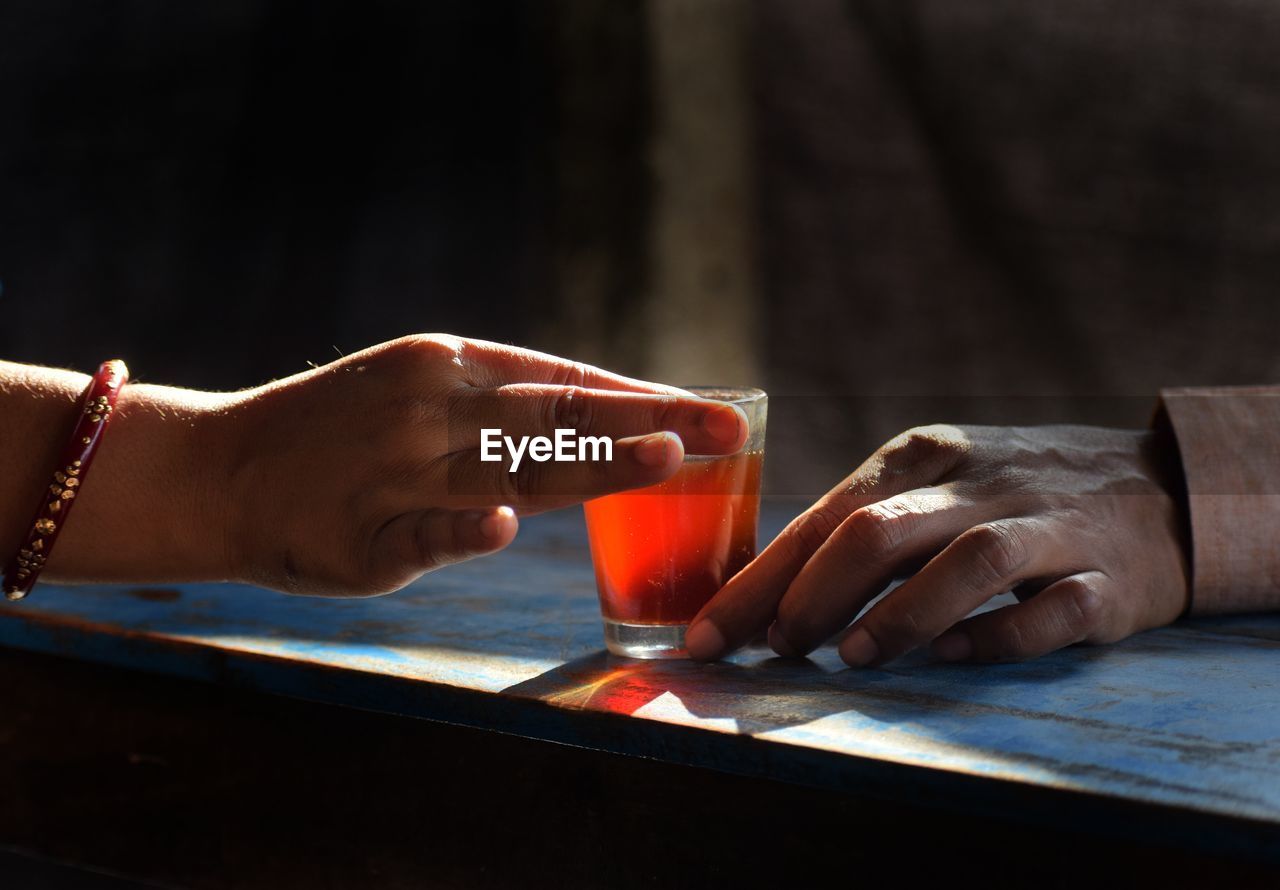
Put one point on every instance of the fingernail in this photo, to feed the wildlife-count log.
(858, 649)
(491, 524)
(651, 451)
(724, 423)
(704, 641)
(778, 643)
(954, 646)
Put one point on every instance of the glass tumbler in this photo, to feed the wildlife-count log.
(660, 553)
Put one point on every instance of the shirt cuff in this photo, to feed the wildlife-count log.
(1229, 439)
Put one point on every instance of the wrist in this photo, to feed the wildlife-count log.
(156, 507)
(234, 478)
(264, 464)
(200, 443)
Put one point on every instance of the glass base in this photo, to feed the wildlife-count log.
(645, 640)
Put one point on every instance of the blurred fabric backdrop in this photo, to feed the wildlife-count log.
(885, 212)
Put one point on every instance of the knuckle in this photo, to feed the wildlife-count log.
(467, 477)
(1013, 643)
(937, 443)
(569, 409)
(1087, 607)
(508, 484)
(666, 413)
(905, 626)
(574, 374)
(898, 628)
(997, 550)
(434, 347)
(805, 618)
(528, 480)
(795, 622)
(876, 531)
(814, 528)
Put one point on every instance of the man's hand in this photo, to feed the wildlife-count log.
(357, 477)
(1079, 522)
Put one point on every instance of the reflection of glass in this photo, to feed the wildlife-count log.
(662, 552)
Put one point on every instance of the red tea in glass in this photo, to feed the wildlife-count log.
(660, 553)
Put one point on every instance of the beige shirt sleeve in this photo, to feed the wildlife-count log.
(1229, 438)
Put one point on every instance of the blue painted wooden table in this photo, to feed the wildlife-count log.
(1181, 725)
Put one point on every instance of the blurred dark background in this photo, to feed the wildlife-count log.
(886, 212)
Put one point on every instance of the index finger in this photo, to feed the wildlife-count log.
(496, 364)
(747, 605)
(538, 409)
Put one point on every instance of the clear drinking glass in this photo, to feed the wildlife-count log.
(660, 553)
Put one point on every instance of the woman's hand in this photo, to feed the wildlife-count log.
(1080, 522)
(351, 479)
(357, 477)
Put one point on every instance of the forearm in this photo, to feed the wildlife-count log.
(1229, 438)
(154, 506)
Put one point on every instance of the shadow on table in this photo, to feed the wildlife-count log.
(753, 695)
(756, 697)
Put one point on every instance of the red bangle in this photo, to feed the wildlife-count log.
(73, 468)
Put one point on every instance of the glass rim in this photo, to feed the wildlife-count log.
(731, 395)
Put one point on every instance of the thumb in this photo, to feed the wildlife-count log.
(424, 540)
